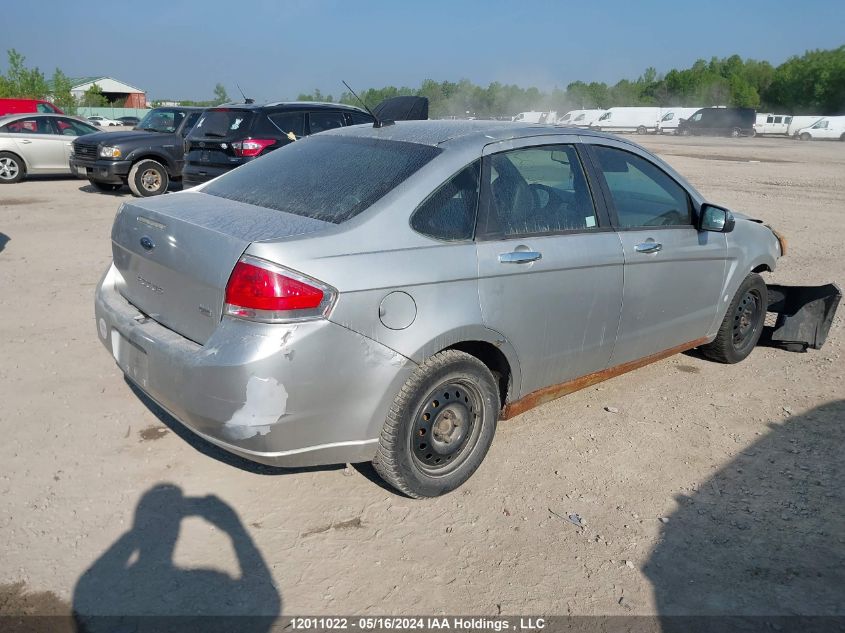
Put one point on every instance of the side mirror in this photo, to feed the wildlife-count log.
(716, 219)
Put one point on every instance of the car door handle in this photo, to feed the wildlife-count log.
(26, 141)
(648, 247)
(520, 257)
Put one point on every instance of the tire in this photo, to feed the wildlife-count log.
(104, 186)
(736, 132)
(419, 453)
(684, 132)
(642, 130)
(753, 133)
(742, 325)
(842, 138)
(12, 168)
(148, 178)
(805, 137)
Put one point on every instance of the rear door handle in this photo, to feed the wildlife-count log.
(25, 141)
(648, 247)
(520, 257)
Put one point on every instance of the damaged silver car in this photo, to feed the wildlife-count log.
(387, 294)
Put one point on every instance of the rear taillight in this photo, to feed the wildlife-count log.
(251, 146)
(261, 291)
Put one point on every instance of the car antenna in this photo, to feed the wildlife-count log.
(246, 99)
(378, 122)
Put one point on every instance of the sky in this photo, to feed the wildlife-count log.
(277, 49)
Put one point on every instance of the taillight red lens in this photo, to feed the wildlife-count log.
(257, 288)
(251, 146)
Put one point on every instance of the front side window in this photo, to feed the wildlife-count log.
(778, 119)
(330, 178)
(70, 127)
(821, 125)
(669, 116)
(770, 119)
(190, 123)
(449, 213)
(696, 117)
(537, 190)
(643, 194)
(322, 121)
(605, 116)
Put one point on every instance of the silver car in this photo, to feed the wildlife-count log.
(387, 294)
(37, 144)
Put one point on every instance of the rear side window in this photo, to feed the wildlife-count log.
(358, 118)
(330, 178)
(222, 123)
(321, 121)
(288, 122)
(449, 213)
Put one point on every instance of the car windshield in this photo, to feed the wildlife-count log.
(159, 120)
(329, 178)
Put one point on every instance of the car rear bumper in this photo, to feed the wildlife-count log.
(197, 174)
(110, 171)
(302, 394)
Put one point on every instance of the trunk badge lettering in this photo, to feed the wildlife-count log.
(147, 244)
(150, 285)
(152, 223)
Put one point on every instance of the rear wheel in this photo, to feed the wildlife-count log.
(642, 130)
(736, 132)
(842, 138)
(743, 323)
(684, 132)
(805, 136)
(148, 178)
(12, 168)
(440, 426)
(104, 186)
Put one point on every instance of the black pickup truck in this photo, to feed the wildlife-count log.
(146, 158)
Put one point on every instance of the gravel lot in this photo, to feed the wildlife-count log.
(711, 489)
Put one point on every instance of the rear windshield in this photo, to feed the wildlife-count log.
(329, 178)
(222, 123)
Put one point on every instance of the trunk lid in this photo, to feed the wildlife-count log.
(176, 252)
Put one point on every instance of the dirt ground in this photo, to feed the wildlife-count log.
(709, 489)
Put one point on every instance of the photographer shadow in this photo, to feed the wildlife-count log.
(135, 586)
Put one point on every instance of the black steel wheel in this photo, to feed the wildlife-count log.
(743, 323)
(440, 425)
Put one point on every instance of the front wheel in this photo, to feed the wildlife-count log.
(440, 426)
(148, 178)
(743, 323)
(12, 168)
(642, 130)
(805, 137)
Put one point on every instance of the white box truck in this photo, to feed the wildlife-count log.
(668, 123)
(800, 122)
(641, 120)
(580, 118)
(830, 128)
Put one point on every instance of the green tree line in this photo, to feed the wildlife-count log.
(813, 83)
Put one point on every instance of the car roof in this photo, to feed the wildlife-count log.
(449, 131)
(5, 118)
(292, 105)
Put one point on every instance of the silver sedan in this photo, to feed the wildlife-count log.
(388, 294)
(37, 144)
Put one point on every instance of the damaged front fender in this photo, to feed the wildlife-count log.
(804, 315)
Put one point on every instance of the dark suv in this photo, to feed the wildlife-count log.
(231, 135)
(719, 122)
(146, 158)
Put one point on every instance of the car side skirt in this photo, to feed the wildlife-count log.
(553, 392)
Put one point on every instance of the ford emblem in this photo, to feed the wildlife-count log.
(147, 244)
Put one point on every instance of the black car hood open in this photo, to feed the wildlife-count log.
(402, 109)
